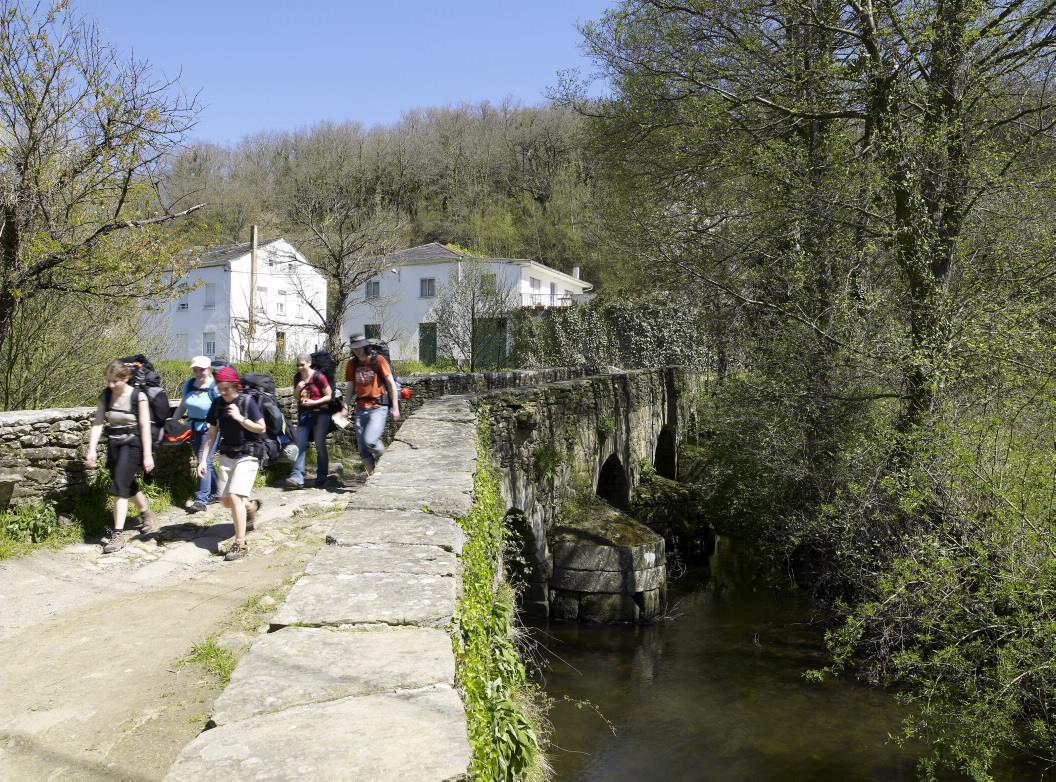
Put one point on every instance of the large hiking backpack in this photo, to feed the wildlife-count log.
(278, 434)
(323, 362)
(381, 348)
(147, 380)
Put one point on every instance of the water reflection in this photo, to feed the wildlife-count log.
(717, 694)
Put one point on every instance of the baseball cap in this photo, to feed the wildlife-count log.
(201, 362)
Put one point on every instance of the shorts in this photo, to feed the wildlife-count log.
(124, 460)
(237, 475)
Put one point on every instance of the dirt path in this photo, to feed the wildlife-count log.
(90, 688)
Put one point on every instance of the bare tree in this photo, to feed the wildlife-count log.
(343, 230)
(471, 316)
(83, 132)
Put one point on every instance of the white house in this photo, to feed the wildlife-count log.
(213, 319)
(398, 304)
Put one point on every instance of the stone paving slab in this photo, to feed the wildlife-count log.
(411, 527)
(444, 501)
(454, 409)
(418, 430)
(418, 736)
(444, 469)
(383, 558)
(374, 598)
(423, 474)
(301, 665)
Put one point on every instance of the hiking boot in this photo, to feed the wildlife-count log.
(197, 507)
(320, 483)
(213, 499)
(237, 551)
(252, 506)
(149, 522)
(118, 539)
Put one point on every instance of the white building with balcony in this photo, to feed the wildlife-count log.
(213, 318)
(398, 305)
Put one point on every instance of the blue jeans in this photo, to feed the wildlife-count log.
(370, 426)
(312, 426)
(208, 484)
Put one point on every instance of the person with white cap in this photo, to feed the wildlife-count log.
(199, 392)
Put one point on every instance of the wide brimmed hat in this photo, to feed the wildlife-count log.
(359, 341)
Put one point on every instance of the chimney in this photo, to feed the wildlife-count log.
(575, 272)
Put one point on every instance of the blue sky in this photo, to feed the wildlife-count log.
(286, 65)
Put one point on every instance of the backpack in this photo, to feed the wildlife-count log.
(381, 348)
(323, 362)
(278, 434)
(147, 380)
(219, 363)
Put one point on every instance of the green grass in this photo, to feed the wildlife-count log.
(505, 720)
(214, 658)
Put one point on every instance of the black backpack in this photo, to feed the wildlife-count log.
(322, 361)
(277, 432)
(147, 380)
(379, 347)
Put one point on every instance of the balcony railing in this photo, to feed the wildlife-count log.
(546, 299)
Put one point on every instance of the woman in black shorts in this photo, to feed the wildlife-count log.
(124, 412)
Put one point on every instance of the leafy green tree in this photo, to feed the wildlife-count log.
(84, 134)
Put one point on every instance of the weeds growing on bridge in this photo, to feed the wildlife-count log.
(505, 722)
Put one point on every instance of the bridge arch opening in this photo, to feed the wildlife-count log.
(665, 458)
(612, 484)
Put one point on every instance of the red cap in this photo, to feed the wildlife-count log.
(227, 375)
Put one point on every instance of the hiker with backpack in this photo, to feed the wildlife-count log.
(199, 393)
(313, 392)
(124, 411)
(238, 421)
(376, 395)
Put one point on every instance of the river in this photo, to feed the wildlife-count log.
(715, 693)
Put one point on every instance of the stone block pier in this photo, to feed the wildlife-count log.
(356, 679)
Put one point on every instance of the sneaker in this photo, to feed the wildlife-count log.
(148, 521)
(214, 499)
(197, 507)
(237, 551)
(251, 513)
(118, 539)
(294, 483)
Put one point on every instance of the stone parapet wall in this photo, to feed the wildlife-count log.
(42, 451)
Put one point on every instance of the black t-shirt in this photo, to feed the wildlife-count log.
(233, 435)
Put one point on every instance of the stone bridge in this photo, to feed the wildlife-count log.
(561, 444)
(359, 659)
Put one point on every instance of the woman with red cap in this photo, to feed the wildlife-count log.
(240, 423)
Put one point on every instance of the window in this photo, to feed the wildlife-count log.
(210, 296)
(428, 288)
(183, 305)
(553, 289)
(535, 284)
(181, 343)
(373, 289)
(262, 295)
(209, 343)
(372, 331)
(280, 344)
(280, 307)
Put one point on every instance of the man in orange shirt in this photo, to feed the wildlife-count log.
(375, 396)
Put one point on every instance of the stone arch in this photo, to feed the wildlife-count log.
(613, 486)
(665, 458)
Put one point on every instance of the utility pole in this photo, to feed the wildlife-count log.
(252, 326)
